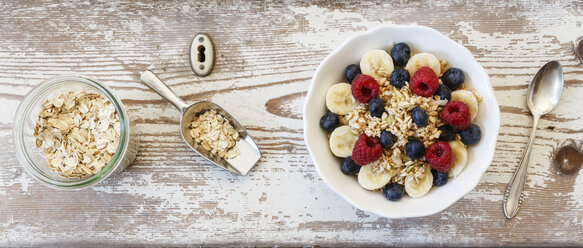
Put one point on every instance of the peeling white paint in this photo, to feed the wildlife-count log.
(319, 19)
(577, 193)
(22, 179)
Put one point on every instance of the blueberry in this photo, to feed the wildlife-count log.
(447, 133)
(398, 77)
(349, 167)
(471, 135)
(387, 139)
(393, 191)
(329, 121)
(419, 117)
(415, 149)
(350, 72)
(443, 92)
(453, 78)
(439, 178)
(401, 54)
(376, 106)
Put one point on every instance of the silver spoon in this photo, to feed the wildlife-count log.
(541, 97)
(249, 152)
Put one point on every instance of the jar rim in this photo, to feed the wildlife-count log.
(24, 109)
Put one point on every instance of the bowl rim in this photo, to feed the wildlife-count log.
(490, 93)
(24, 108)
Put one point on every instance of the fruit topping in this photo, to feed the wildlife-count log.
(419, 186)
(472, 135)
(443, 92)
(457, 115)
(419, 117)
(453, 78)
(387, 139)
(329, 121)
(399, 77)
(376, 106)
(469, 99)
(350, 72)
(377, 64)
(401, 54)
(439, 156)
(339, 99)
(372, 179)
(424, 82)
(349, 167)
(439, 178)
(460, 158)
(366, 150)
(342, 141)
(447, 133)
(415, 149)
(364, 88)
(423, 59)
(393, 191)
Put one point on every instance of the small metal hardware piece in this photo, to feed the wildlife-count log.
(202, 55)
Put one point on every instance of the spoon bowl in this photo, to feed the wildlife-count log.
(545, 89)
(249, 152)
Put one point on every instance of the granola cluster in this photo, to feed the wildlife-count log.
(78, 133)
(215, 134)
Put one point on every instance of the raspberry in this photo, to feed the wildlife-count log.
(457, 115)
(439, 156)
(366, 150)
(424, 82)
(364, 88)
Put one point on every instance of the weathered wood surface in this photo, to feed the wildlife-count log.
(267, 54)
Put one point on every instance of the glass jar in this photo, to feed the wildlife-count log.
(33, 159)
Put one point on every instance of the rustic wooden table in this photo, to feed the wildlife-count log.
(267, 54)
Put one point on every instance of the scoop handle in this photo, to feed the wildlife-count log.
(514, 192)
(152, 81)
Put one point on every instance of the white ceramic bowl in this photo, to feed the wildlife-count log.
(419, 39)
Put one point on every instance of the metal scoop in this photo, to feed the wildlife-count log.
(249, 152)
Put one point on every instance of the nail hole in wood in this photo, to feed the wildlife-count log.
(568, 160)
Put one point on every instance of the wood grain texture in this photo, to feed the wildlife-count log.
(267, 53)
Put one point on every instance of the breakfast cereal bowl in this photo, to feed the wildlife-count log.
(420, 39)
(32, 157)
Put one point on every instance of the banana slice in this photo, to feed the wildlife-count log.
(377, 64)
(339, 99)
(423, 59)
(468, 98)
(460, 157)
(342, 141)
(371, 180)
(416, 189)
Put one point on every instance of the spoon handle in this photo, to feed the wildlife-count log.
(152, 81)
(514, 191)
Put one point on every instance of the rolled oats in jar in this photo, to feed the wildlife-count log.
(72, 132)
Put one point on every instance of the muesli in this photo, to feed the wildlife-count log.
(402, 123)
